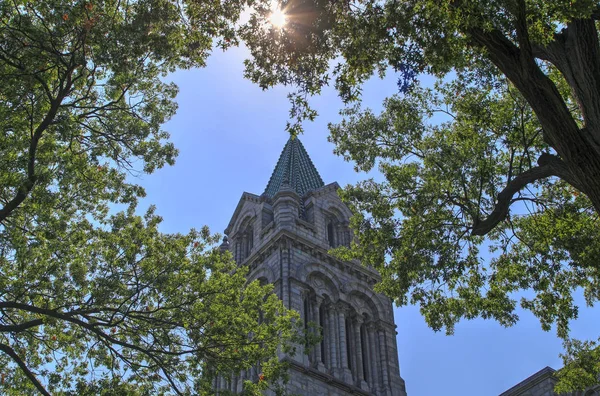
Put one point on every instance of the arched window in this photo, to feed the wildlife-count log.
(348, 343)
(331, 233)
(363, 347)
(337, 230)
(244, 241)
(249, 241)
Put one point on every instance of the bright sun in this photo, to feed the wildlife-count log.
(278, 17)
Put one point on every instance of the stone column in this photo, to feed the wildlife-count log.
(374, 358)
(345, 372)
(368, 363)
(306, 317)
(317, 349)
(341, 311)
(284, 267)
(338, 344)
(333, 347)
(343, 227)
(237, 253)
(383, 359)
(359, 353)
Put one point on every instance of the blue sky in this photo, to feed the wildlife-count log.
(230, 135)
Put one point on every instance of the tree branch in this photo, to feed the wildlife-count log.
(27, 186)
(548, 165)
(152, 354)
(21, 327)
(11, 352)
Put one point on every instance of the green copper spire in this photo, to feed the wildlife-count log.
(295, 169)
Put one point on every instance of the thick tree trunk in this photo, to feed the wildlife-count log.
(577, 147)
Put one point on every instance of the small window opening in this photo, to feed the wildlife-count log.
(348, 344)
(363, 344)
(331, 234)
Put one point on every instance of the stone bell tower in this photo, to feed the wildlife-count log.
(284, 235)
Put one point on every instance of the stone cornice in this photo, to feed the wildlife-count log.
(319, 253)
(531, 381)
(306, 224)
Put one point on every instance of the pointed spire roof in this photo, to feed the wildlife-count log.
(295, 169)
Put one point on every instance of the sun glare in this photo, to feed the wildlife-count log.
(278, 17)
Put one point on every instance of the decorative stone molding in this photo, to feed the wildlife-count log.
(292, 254)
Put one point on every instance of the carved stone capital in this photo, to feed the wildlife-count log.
(342, 307)
(305, 292)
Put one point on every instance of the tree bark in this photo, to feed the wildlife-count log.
(575, 146)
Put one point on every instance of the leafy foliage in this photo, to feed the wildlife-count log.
(582, 366)
(93, 300)
(502, 154)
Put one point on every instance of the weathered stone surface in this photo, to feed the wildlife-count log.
(284, 238)
(542, 384)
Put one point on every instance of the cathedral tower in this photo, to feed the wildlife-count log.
(283, 235)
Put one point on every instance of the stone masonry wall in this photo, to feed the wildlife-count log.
(358, 353)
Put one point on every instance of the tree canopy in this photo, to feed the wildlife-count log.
(501, 154)
(94, 299)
